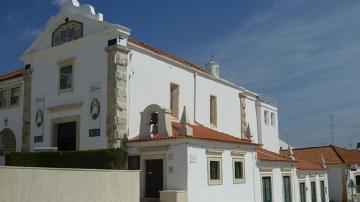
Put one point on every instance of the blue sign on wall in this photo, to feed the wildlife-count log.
(94, 132)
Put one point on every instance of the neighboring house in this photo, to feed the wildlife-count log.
(192, 134)
(343, 169)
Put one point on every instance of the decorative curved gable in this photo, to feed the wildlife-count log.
(91, 24)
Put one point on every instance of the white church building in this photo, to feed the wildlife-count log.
(195, 136)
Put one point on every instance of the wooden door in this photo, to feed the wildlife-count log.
(154, 178)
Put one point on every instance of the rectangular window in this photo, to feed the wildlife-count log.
(266, 189)
(3, 97)
(214, 170)
(66, 77)
(313, 192)
(302, 192)
(213, 111)
(174, 100)
(322, 189)
(238, 171)
(266, 117)
(15, 96)
(287, 188)
(272, 119)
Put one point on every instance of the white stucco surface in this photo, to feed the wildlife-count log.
(14, 114)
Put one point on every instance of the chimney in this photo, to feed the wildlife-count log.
(290, 153)
(185, 130)
(322, 161)
(212, 67)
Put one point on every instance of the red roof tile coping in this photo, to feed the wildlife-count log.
(12, 75)
(199, 132)
(165, 54)
(265, 155)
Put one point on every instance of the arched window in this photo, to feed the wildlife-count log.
(69, 31)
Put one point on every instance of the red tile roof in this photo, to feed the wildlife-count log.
(332, 155)
(164, 54)
(199, 132)
(13, 74)
(306, 165)
(265, 155)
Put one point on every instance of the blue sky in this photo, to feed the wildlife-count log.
(304, 53)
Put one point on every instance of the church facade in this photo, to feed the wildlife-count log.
(88, 85)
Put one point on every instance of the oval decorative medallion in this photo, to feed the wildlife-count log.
(39, 118)
(95, 109)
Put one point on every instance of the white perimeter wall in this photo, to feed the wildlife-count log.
(52, 185)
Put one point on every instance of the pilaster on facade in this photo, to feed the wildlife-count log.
(117, 96)
(26, 111)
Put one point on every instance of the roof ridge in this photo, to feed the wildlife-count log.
(303, 148)
(337, 153)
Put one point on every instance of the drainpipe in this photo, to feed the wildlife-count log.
(254, 177)
(195, 75)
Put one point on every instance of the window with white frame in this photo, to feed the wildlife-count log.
(214, 162)
(267, 193)
(10, 96)
(214, 170)
(66, 78)
(272, 119)
(238, 170)
(266, 117)
(3, 97)
(287, 188)
(313, 191)
(15, 96)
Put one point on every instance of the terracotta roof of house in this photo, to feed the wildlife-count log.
(165, 54)
(13, 74)
(265, 155)
(306, 165)
(303, 164)
(199, 132)
(332, 155)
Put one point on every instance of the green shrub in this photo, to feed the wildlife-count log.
(92, 159)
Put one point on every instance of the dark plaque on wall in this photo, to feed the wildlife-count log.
(94, 132)
(38, 139)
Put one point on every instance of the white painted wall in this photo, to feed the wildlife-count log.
(276, 170)
(308, 176)
(90, 67)
(269, 135)
(335, 182)
(13, 114)
(200, 190)
(150, 84)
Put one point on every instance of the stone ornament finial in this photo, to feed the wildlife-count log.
(322, 161)
(185, 129)
(248, 132)
(290, 153)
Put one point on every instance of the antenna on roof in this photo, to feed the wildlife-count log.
(331, 126)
